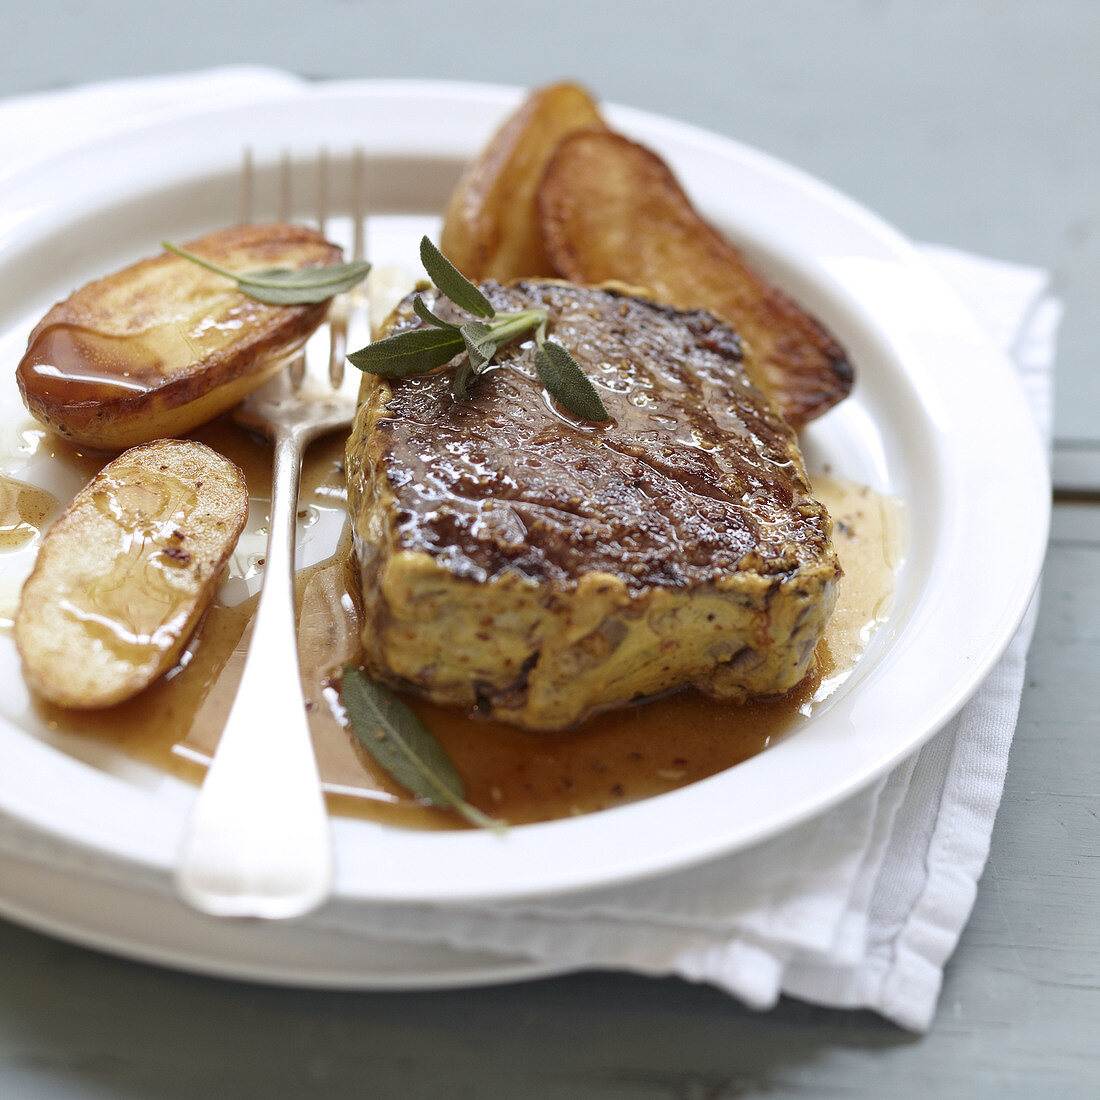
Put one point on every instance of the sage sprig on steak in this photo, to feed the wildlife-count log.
(418, 351)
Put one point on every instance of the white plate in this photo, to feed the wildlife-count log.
(150, 924)
(937, 418)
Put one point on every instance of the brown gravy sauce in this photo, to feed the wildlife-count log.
(519, 776)
(70, 364)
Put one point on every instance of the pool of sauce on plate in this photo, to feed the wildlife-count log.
(520, 776)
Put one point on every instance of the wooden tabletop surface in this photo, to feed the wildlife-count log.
(971, 124)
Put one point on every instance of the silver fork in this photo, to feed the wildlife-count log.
(258, 842)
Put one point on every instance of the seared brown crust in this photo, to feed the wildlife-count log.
(164, 345)
(695, 471)
(612, 209)
(542, 568)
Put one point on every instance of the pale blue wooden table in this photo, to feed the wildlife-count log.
(973, 124)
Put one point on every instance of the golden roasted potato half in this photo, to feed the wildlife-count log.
(491, 228)
(164, 345)
(123, 577)
(611, 209)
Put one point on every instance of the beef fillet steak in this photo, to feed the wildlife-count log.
(539, 569)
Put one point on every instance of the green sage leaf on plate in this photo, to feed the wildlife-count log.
(567, 383)
(452, 282)
(406, 353)
(401, 744)
(284, 286)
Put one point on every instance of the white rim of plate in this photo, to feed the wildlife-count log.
(962, 448)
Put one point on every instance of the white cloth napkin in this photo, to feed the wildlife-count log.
(860, 907)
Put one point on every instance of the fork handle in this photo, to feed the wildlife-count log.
(258, 843)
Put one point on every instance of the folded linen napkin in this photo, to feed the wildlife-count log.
(860, 907)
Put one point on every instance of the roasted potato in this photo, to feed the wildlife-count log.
(611, 209)
(124, 575)
(491, 228)
(164, 345)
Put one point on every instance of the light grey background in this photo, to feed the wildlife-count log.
(968, 122)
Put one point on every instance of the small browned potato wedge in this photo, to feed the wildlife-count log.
(491, 228)
(123, 577)
(612, 209)
(165, 345)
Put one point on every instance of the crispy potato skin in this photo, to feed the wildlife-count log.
(124, 575)
(611, 209)
(491, 228)
(163, 345)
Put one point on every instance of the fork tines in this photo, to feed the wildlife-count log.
(348, 310)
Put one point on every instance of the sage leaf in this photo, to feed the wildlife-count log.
(402, 745)
(420, 308)
(481, 344)
(419, 350)
(406, 353)
(284, 286)
(452, 282)
(460, 387)
(567, 383)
